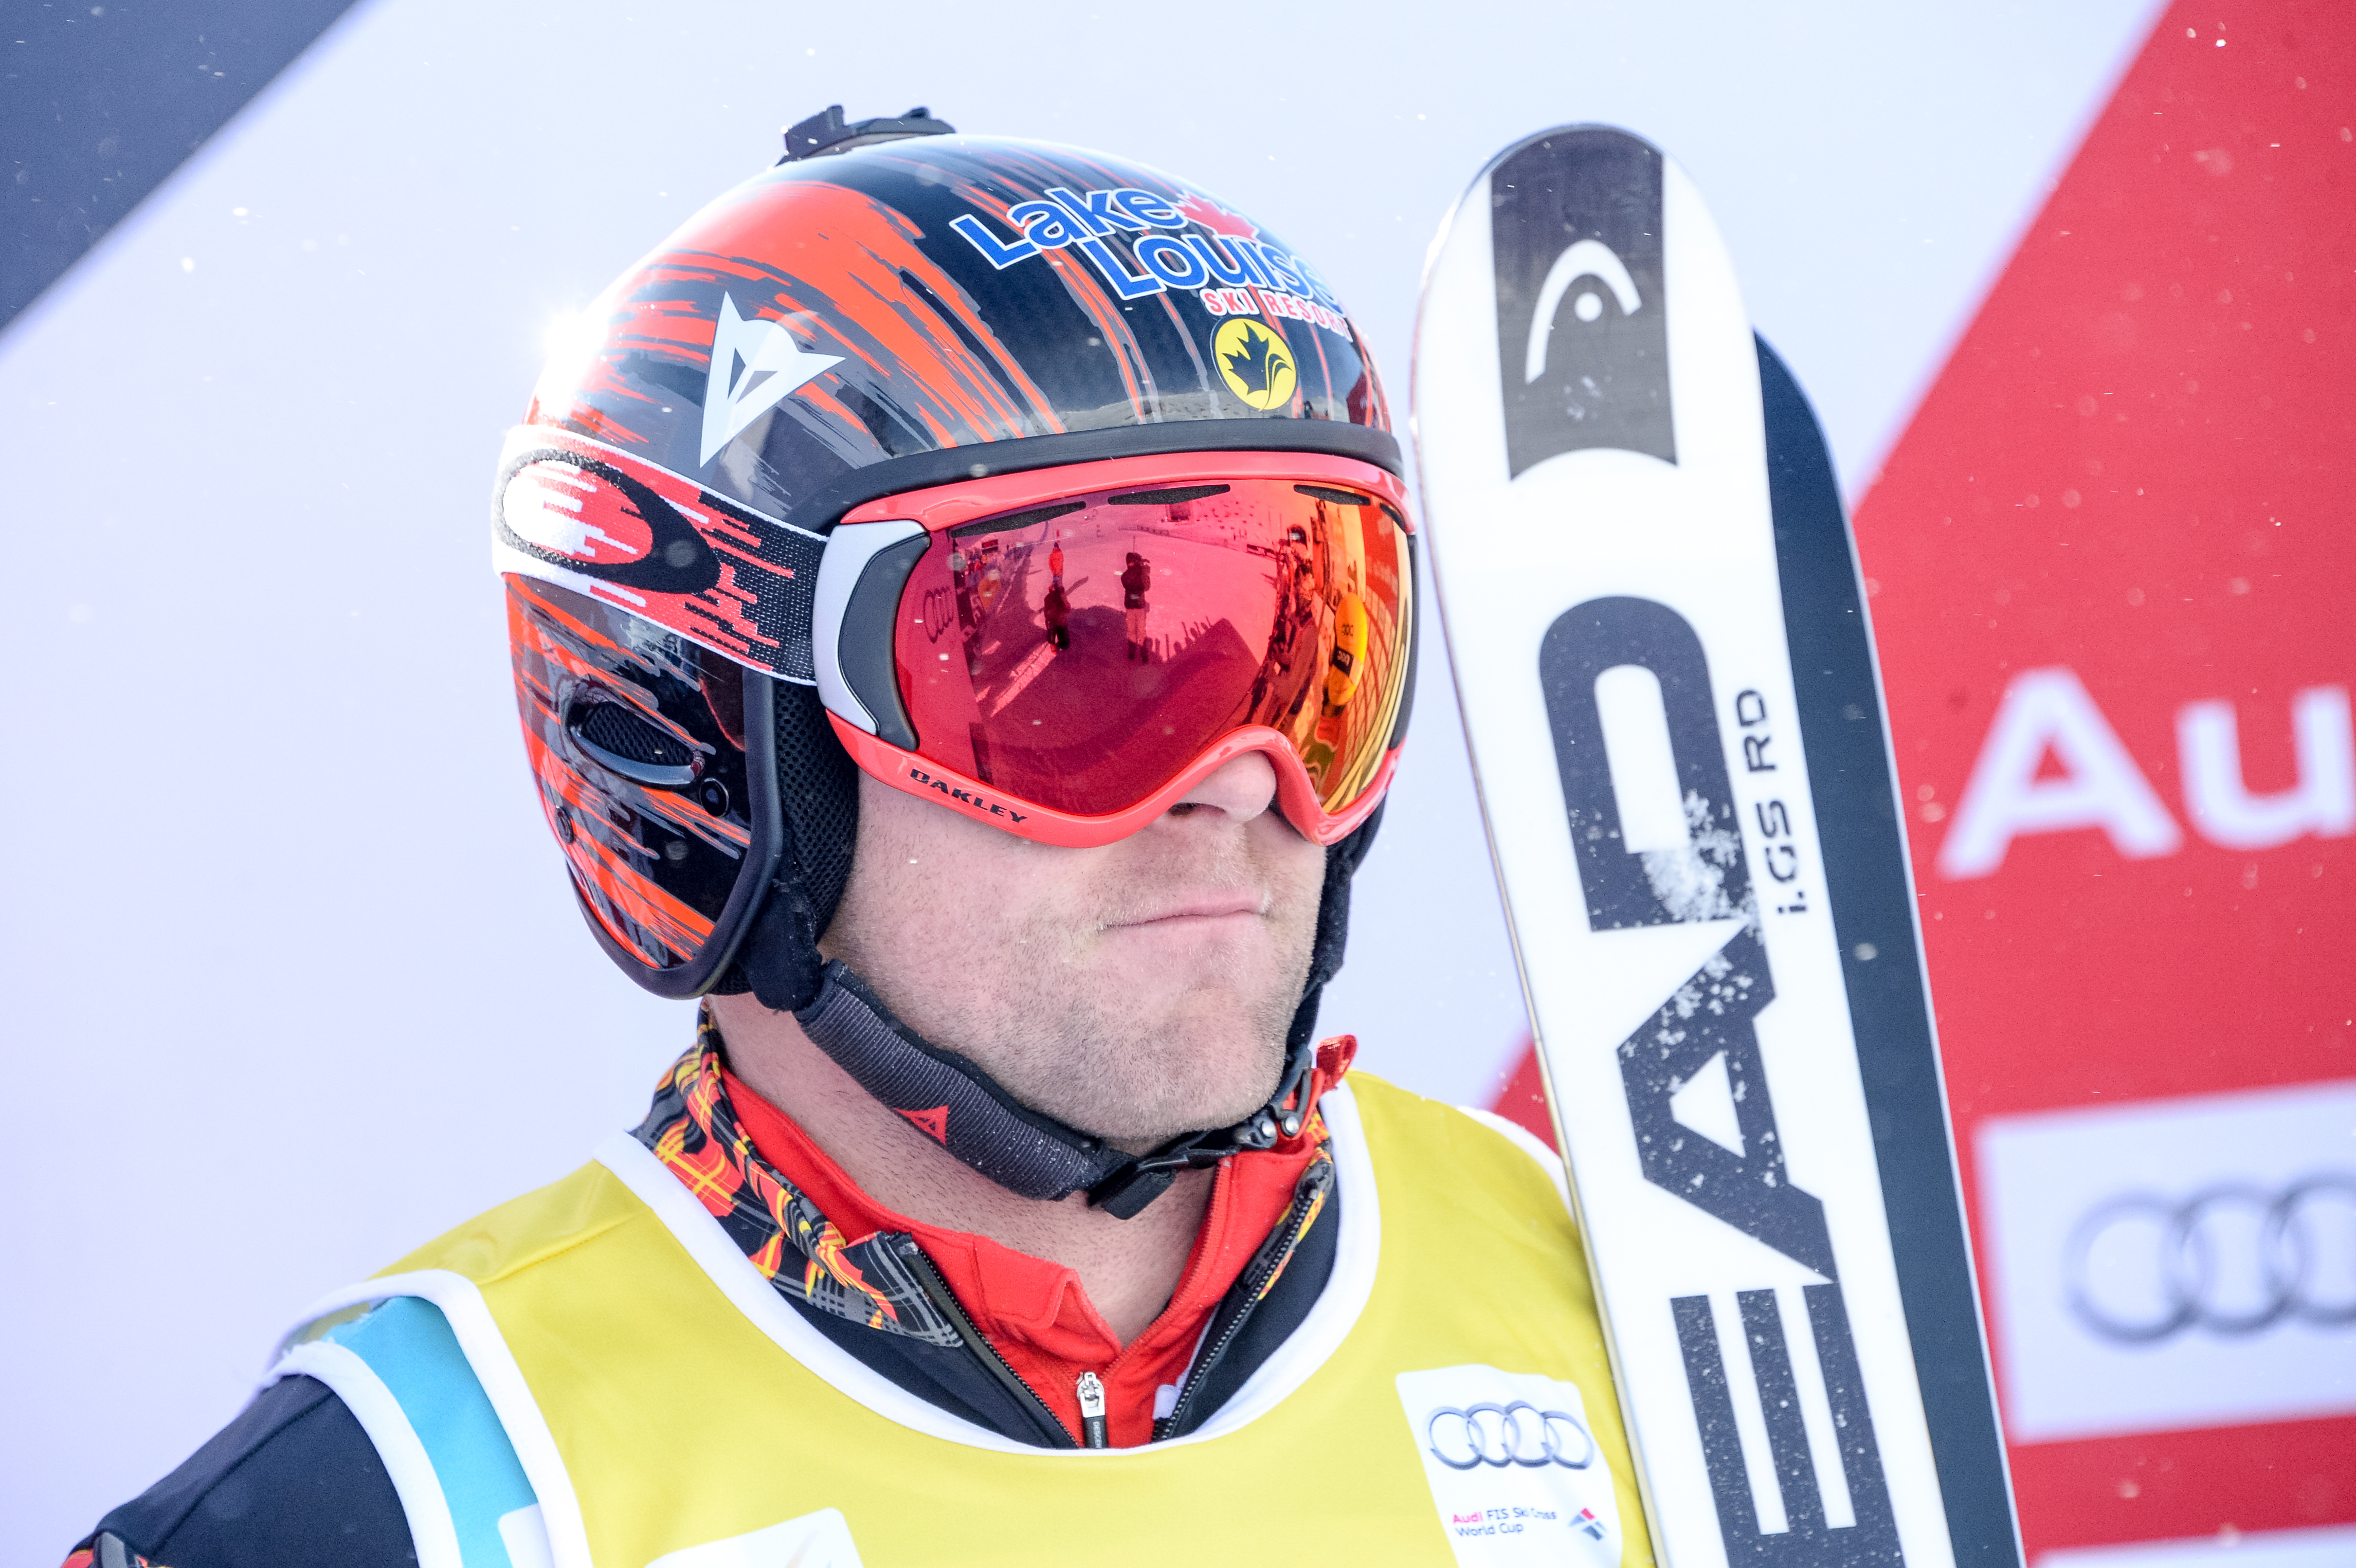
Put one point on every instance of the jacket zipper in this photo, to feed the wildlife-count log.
(936, 1290)
(1092, 1411)
(1314, 1182)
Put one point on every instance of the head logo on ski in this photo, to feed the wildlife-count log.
(1582, 324)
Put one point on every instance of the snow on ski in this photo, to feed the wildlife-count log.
(1651, 602)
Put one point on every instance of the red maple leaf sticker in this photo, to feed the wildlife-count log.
(934, 1124)
(1217, 219)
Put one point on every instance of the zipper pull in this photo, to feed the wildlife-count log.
(1092, 1415)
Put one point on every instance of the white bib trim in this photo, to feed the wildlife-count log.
(1521, 1138)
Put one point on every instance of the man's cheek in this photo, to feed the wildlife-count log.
(1308, 878)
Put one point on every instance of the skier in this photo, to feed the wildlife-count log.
(1056, 608)
(993, 580)
(1344, 666)
(1136, 581)
(1005, 1132)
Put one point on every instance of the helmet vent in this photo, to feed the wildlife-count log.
(827, 131)
(622, 741)
(1172, 498)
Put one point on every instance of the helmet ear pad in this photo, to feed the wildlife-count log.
(818, 789)
(1332, 925)
(818, 793)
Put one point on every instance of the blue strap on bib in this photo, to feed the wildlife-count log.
(408, 1344)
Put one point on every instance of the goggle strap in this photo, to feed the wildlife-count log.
(761, 616)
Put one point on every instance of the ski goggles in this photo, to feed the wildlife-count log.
(1063, 653)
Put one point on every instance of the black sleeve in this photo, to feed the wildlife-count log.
(292, 1483)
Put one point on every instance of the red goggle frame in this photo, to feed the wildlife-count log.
(1067, 653)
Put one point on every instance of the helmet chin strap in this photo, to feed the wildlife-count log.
(967, 1113)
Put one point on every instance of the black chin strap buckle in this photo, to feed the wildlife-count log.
(1125, 1193)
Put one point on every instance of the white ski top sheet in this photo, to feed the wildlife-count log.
(1588, 424)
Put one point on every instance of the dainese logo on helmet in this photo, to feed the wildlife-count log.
(1234, 272)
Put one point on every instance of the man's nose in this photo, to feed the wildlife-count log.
(1241, 788)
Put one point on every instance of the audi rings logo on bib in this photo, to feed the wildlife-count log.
(2230, 1260)
(1515, 1468)
(1500, 1434)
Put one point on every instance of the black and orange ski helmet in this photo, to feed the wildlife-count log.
(892, 306)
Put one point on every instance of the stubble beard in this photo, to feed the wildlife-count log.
(1138, 1070)
(1068, 1013)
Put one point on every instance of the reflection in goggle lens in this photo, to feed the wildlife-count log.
(1078, 656)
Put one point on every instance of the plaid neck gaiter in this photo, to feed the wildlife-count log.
(693, 1129)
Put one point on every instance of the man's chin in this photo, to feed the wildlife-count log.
(1179, 1121)
(1186, 1074)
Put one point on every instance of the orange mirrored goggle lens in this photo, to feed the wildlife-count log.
(1080, 655)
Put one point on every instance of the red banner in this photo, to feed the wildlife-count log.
(2112, 562)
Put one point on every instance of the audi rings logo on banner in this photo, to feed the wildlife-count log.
(1502, 1434)
(2233, 1259)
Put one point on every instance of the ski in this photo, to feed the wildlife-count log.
(1653, 608)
